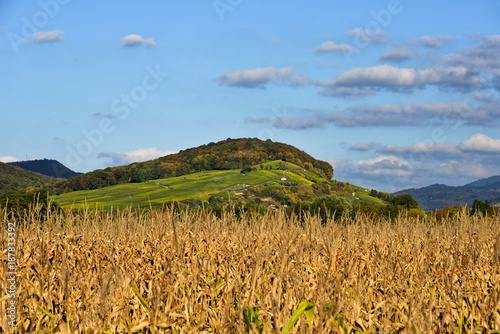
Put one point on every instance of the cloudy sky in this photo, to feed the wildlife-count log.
(394, 94)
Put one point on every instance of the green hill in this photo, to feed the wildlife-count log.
(14, 178)
(274, 183)
(229, 154)
(247, 172)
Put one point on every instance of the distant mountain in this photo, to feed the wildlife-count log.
(47, 167)
(485, 184)
(14, 178)
(438, 196)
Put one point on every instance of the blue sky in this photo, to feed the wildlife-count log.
(394, 94)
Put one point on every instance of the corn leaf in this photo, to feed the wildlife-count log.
(139, 296)
(304, 307)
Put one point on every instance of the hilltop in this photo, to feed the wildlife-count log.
(47, 167)
(14, 178)
(229, 154)
(438, 196)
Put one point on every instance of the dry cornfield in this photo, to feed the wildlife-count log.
(176, 272)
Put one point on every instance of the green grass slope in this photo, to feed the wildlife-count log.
(362, 195)
(197, 185)
(263, 179)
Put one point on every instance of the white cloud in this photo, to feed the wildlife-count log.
(377, 36)
(397, 55)
(259, 77)
(386, 77)
(484, 56)
(451, 75)
(481, 143)
(327, 47)
(436, 148)
(434, 41)
(446, 113)
(384, 165)
(384, 159)
(139, 155)
(459, 168)
(144, 154)
(137, 40)
(437, 109)
(392, 173)
(9, 158)
(51, 36)
(398, 167)
(387, 115)
(363, 147)
(297, 123)
(476, 144)
(380, 75)
(347, 91)
(483, 96)
(470, 70)
(383, 172)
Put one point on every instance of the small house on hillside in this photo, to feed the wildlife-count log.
(283, 177)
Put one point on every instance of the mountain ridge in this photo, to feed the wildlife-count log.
(438, 196)
(49, 167)
(492, 181)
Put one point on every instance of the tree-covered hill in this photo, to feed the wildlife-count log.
(13, 179)
(485, 184)
(47, 167)
(228, 154)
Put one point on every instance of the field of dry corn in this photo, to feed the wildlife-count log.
(164, 271)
